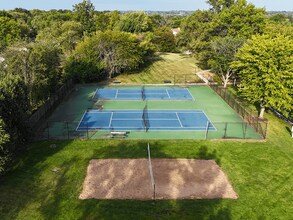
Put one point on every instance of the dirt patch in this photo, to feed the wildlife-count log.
(174, 178)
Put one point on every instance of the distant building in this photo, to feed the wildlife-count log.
(175, 31)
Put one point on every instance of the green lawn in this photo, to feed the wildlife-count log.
(260, 172)
(164, 66)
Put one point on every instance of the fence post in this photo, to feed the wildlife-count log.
(87, 131)
(225, 130)
(207, 128)
(174, 79)
(48, 130)
(245, 129)
(257, 124)
(67, 130)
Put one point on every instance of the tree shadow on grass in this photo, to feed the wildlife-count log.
(23, 186)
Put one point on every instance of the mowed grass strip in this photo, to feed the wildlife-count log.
(47, 181)
(163, 66)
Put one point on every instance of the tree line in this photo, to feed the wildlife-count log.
(40, 50)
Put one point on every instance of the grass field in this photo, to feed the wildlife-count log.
(260, 172)
(162, 67)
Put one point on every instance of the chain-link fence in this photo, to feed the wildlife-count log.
(223, 130)
(68, 131)
(259, 125)
(35, 119)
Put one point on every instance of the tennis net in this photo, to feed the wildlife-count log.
(151, 173)
(143, 93)
(145, 117)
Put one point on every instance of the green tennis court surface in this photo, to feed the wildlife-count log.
(66, 119)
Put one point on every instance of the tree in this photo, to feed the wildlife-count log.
(158, 20)
(135, 22)
(38, 65)
(242, 19)
(65, 34)
(84, 13)
(4, 139)
(119, 51)
(84, 64)
(164, 40)
(110, 52)
(219, 5)
(102, 21)
(193, 29)
(10, 31)
(14, 106)
(223, 53)
(265, 66)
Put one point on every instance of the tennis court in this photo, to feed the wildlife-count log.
(207, 117)
(135, 120)
(164, 93)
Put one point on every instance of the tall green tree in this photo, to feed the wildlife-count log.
(218, 5)
(193, 29)
(84, 64)
(135, 22)
(4, 139)
(10, 31)
(222, 55)
(242, 19)
(14, 110)
(38, 65)
(265, 66)
(84, 13)
(63, 34)
(164, 40)
(119, 51)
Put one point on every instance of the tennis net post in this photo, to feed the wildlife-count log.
(151, 173)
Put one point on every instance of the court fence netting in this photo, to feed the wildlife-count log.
(249, 117)
(39, 116)
(67, 130)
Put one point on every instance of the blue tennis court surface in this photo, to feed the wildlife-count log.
(145, 120)
(143, 94)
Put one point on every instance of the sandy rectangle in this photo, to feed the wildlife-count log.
(174, 178)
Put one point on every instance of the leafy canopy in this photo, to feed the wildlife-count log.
(265, 66)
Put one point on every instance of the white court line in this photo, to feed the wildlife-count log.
(138, 119)
(190, 94)
(161, 93)
(95, 94)
(187, 128)
(110, 122)
(116, 94)
(209, 120)
(94, 111)
(168, 93)
(179, 120)
(81, 120)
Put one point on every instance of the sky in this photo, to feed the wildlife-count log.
(143, 5)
